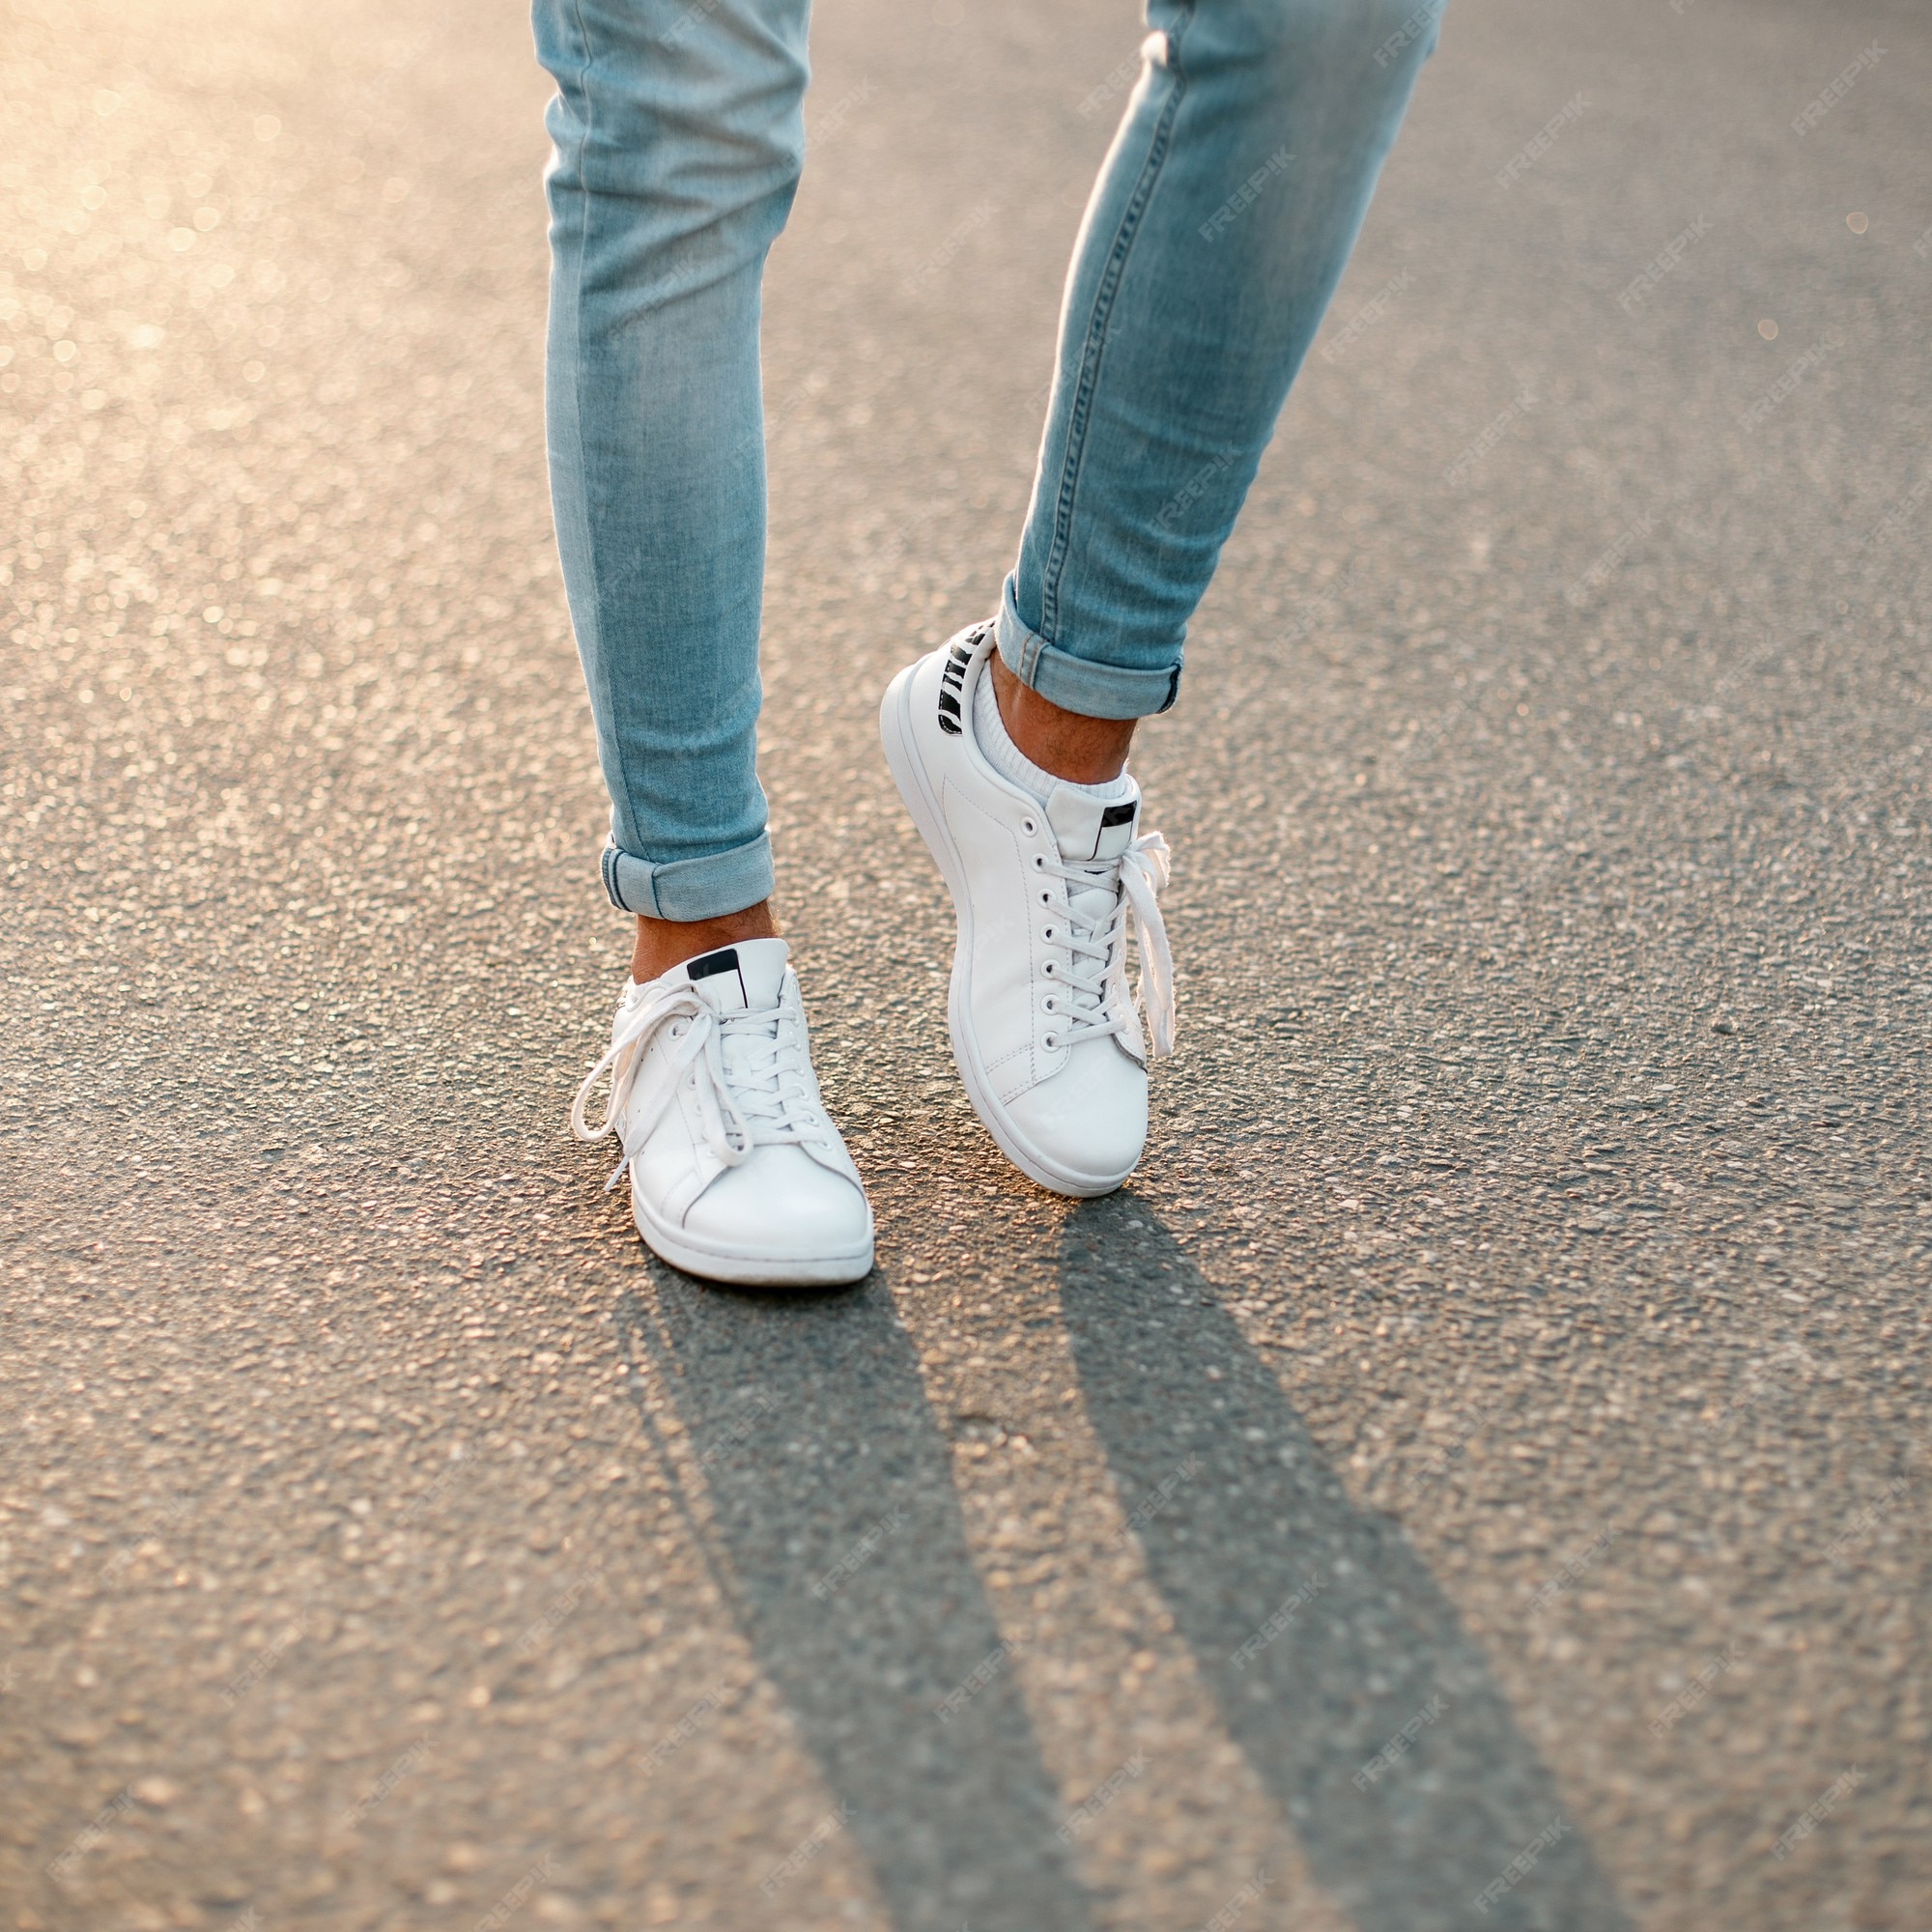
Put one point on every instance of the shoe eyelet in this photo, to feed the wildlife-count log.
(1046, 933)
(1046, 1005)
(1046, 966)
(1049, 1041)
(1027, 825)
(1039, 861)
(1046, 898)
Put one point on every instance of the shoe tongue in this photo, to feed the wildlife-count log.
(745, 978)
(1089, 828)
(1092, 831)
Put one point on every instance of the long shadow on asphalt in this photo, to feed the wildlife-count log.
(835, 1532)
(1340, 1668)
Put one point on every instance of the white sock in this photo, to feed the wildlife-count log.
(990, 733)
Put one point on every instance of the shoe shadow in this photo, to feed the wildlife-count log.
(1341, 1669)
(834, 1530)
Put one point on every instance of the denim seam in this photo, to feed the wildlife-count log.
(586, 61)
(1079, 415)
(607, 864)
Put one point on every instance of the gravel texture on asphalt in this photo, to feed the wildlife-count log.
(1476, 1475)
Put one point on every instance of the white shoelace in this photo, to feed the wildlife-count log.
(753, 1088)
(1130, 883)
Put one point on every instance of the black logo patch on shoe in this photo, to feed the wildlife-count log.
(712, 966)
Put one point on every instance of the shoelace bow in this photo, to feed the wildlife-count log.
(755, 1097)
(1140, 872)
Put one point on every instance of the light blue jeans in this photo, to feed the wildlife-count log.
(1224, 213)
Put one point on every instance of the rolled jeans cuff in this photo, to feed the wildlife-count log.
(1078, 684)
(690, 889)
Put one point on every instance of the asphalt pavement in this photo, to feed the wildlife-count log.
(1476, 1475)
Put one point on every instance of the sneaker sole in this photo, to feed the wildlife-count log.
(747, 1270)
(908, 770)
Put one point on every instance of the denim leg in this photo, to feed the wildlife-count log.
(1215, 236)
(679, 133)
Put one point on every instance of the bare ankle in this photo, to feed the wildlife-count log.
(665, 943)
(1072, 746)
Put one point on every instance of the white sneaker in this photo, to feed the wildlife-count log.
(737, 1172)
(1043, 1025)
